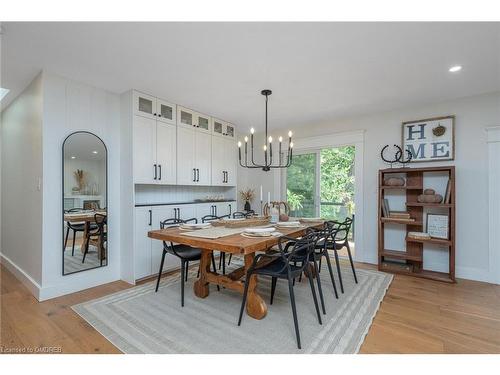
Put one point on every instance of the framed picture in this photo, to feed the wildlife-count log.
(430, 139)
(438, 226)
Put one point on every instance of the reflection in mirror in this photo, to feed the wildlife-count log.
(85, 229)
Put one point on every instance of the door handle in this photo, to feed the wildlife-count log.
(150, 217)
(159, 167)
(194, 174)
(197, 175)
(156, 175)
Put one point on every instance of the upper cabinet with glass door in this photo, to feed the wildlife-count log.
(155, 108)
(223, 128)
(188, 118)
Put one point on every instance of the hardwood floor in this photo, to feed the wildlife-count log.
(416, 316)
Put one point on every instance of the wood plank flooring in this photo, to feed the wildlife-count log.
(416, 316)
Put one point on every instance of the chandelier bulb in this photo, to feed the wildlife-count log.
(280, 139)
(252, 130)
(246, 139)
(239, 144)
(290, 134)
(265, 148)
(270, 139)
(291, 144)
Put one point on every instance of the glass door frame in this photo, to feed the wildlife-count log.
(317, 193)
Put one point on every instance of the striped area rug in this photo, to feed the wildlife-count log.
(138, 320)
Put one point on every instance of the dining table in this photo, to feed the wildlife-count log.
(236, 244)
(86, 218)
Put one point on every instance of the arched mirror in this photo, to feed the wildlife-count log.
(85, 187)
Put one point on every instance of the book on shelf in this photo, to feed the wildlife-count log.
(385, 207)
(399, 214)
(447, 194)
(419, 235)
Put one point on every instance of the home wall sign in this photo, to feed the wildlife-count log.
(430, 139)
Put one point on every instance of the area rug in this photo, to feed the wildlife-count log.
(138, 320)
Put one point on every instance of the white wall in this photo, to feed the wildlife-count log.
(21, 242)
(473, 115)
(68, 107)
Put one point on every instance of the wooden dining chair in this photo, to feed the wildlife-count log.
(282, 266)
(75, 227)
(101, 235)
(184, 252)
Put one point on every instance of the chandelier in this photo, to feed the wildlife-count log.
(283, 162)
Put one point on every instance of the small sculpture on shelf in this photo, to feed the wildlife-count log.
(430, 196)
(399, 156)
(394, 181)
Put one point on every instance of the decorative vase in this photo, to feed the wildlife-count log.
(247, 206)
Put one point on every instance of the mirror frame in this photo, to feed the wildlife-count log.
(62, 201)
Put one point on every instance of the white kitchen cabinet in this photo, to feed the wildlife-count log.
(166, 153)
(191, 119)
(142, 243)
(203, 161)
(166, 112)
(223, 129)
(154, 151)
(194, 157)
(144, 150)
(186, 171)
(161, 213)
(224, 161)
(144, 105)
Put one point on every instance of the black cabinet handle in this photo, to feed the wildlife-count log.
(150, 217)
(227, 177)
(194, 174)
(197, 175)
(230, 209)
(178, 213)
(215, 209)
(156, 175)
(159, 167)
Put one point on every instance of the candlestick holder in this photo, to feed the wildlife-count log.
(261, 209)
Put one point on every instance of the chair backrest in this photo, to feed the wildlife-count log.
(301, 249)
(101, 221)
(208, 218)
(73, 210)
(240, 215)
(173, 222)
(339, 231)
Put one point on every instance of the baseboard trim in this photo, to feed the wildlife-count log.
(22, 276)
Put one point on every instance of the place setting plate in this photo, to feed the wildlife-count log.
(196, 226)
(260, 232)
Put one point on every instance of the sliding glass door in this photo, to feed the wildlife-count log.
(320, 183)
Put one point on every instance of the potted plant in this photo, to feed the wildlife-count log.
(247, 196)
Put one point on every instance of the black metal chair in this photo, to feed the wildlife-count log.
(338, 239)
(282, 267)
(184, 252)
(239, 215)
(75, 227)
(100, 232)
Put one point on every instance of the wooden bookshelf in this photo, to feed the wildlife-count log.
(413, 255)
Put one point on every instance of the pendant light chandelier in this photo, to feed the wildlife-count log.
(268, 148)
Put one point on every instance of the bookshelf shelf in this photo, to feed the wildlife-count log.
(410, 261)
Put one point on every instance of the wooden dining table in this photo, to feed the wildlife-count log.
(86, 218)
(234, 244)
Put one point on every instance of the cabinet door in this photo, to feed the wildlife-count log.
(161, 213)
(166, 112)
(231, 160)
(166, 153)
(219, 162)
(217, 127)
(203, 123)
(144, 150)
(203, 164)
(187, 211)
(203, 209)
(186, 156)
(142, 243)
(186, 117)
(144, 105)
(230, 131)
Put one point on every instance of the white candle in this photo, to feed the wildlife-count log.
(269, 198)
(261, 196)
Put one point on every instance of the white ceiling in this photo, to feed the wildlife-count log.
(317, 71)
